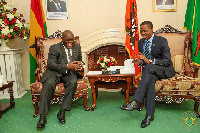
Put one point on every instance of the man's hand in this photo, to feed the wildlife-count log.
(75, 65)
(139, 58)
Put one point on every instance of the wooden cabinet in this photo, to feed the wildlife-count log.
(10, 68)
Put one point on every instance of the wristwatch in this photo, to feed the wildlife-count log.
(150, 61)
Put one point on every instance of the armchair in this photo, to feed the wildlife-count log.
(184, 85)
(43, 45)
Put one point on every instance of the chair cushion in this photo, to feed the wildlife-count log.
(178, 63)
(81, 87)
(179, 85)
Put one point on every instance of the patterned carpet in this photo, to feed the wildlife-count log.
(107, 117)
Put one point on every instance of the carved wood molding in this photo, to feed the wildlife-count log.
(167, 29)
(57, 34)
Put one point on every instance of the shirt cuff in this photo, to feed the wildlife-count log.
(154, 61)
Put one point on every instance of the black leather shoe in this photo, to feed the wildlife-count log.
(134, 105)
(147, 121)
(42, 121)
(61, 116)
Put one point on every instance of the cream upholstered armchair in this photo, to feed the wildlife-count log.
(43, 45)
(184, 85)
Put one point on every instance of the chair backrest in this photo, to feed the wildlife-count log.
(176, 42)
(47, 43)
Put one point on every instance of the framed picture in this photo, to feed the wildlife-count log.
(57, 9)
(164, 5)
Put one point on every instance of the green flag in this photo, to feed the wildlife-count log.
(192, 22)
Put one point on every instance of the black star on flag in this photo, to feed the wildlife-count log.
(35, 46)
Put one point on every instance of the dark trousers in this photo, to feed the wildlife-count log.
(150, 74)
(48, 89)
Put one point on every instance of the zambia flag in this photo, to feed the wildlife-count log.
(132, 34)
(192, 23)
(37, 29)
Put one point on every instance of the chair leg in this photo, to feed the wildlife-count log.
(85, 102)
(36, 107)
(196, 106)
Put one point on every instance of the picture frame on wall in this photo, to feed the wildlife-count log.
(164, 5)
(57, 9)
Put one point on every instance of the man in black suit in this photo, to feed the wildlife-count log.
(155, 56)
(56, 6)
(64, 65)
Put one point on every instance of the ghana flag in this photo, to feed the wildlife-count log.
(132, 34)
(192, 23)
(37, 29)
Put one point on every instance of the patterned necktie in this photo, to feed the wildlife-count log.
(59, 8)
(69, 55)
(147, 52)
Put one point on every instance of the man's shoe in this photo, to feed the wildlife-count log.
(134, 105)
(61, 116)
(42, 121)
(147, 121)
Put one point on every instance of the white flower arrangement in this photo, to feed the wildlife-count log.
(11, 23)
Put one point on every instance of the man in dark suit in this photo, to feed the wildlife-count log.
(155, 56)
(64, 65)
(56, 6)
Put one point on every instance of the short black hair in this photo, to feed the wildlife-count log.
(149, 23)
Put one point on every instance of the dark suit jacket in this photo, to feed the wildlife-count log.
(160, 51)
(51, 7)
(57, 61)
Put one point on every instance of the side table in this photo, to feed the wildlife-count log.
(6, 106)
(94, 77)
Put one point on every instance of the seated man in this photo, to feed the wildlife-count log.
(155, 56)
(63, 65)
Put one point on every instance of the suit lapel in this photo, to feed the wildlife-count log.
(153, 44)
(141, 46)
(73, 53)
(63, 53)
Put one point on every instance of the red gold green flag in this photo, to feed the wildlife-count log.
(132, 34)
(38, 28)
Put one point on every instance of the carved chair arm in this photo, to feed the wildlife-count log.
(37, 71)
(38, 74)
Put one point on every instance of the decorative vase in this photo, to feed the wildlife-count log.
(3, 45)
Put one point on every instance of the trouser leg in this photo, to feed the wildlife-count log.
(70, 84)
(150, 98)
(47, 92)
(151, 73)
(144, 84)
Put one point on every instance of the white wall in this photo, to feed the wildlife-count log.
(87, 17)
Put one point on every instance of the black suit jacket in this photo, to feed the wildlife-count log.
(160, 51)
(57, 61)
(51, 7)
